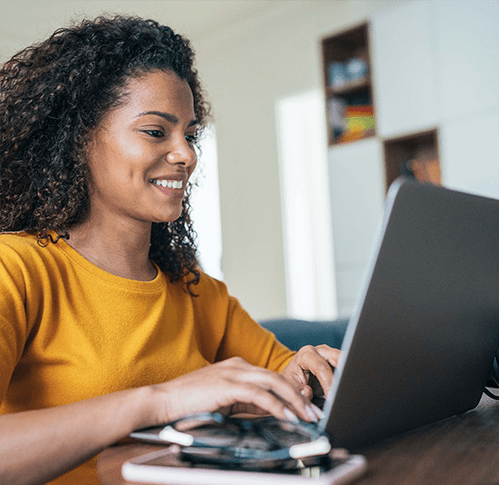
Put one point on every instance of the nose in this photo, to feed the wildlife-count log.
(182, 153)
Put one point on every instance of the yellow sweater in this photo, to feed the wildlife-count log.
(71, 331)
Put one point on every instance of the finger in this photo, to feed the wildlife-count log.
(276, 384)
(294, 399)
(298, 377)
(320, 367)
(251, 396)
(307, 392)
(241, 374)
(329, 354)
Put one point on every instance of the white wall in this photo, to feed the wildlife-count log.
(247, 68)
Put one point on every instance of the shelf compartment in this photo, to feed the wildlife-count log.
(361, 84)
(415, 155)
(347, 83)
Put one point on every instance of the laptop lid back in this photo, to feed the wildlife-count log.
(421, 344)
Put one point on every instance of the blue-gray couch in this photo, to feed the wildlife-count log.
(296, 333)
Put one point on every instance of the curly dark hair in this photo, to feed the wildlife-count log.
(52, 94)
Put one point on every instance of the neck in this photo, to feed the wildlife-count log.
(119, 250)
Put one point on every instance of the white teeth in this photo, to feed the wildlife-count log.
(171, 184)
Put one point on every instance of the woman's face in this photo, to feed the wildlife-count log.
(141, 155)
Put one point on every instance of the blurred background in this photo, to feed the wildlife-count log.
(318, 106)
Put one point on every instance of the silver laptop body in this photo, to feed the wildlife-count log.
(420, 346)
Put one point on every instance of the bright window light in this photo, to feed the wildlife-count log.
(205, 202)
(307, 225)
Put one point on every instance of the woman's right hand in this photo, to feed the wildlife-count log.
(56, 439)
(230, 387)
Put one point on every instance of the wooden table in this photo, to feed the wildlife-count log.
(462, 450)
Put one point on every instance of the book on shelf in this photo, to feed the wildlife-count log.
(350, 123)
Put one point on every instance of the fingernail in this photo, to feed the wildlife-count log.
(290, 416)
(311, 413)
(318, 411)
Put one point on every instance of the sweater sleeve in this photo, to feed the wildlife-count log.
(246, 338)
(13, 320)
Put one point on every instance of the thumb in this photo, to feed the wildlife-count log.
(307, 392)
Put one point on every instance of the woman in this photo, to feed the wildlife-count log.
(107, 323)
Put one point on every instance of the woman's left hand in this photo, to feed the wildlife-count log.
(311, 370)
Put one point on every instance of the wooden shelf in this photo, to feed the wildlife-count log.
(347, 84)
(414, 155)
(349, 87)
(351, 114)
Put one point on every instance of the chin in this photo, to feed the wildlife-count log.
(169, 218)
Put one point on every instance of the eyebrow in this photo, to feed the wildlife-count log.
(167, 116)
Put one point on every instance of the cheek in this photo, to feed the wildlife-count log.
(120, 161)
(123, 150)
(192, 168)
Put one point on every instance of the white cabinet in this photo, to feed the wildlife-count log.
(357, 196)
(435, 74)
(467, 42)
(403, 69)
(433, 61)
(469, 155)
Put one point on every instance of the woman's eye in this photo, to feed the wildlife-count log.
(155, 133)
(192, 138)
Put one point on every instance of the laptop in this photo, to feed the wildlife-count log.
(420, 346)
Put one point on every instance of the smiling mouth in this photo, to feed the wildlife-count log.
(171, 184)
